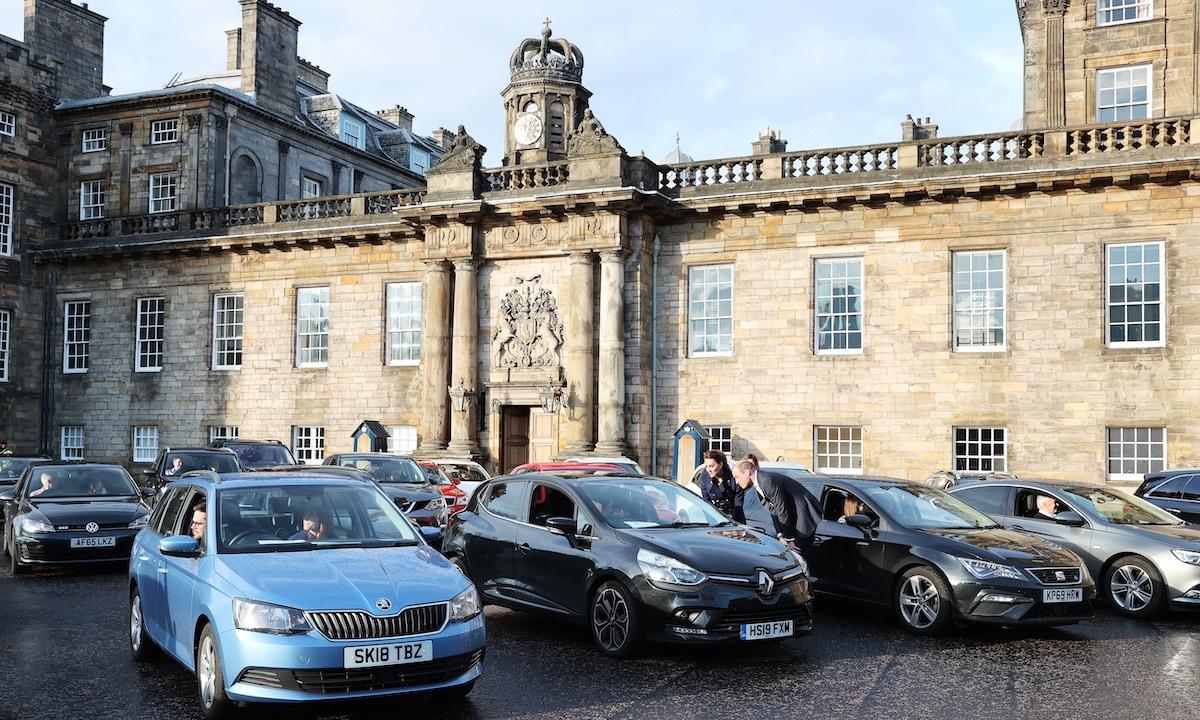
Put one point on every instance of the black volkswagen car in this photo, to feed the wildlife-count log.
(633, 558)
(63, 513)
(936, 560)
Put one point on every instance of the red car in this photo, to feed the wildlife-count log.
(571, 467)
(456, 498)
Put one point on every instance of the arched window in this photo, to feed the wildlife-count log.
(556, 127)
(245, 182)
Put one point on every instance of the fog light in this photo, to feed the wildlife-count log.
(689, 631)
(688, 615)
(998, 598)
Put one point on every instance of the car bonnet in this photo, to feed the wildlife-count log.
(1006, 546)
(99, 511)
(724, 550)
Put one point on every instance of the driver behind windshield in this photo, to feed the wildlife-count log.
(47, 484)
(315, 528)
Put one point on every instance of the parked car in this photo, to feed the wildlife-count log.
(1176, 491)
(935, 560)
(632, 558)
(404, 482)
(1143, 556)
(571, 468)
(11, 467)
(469, 474)
(173, 462)
(946, 479)
(629, 466)
(68, 513)
(262, 612)
(455, 497)
(256, 454)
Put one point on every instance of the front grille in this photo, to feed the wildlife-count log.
(103, 526)
(342, 682)
(358, 625)
(60, 550)
(407, 507)
(732, 621)
(1051, 576)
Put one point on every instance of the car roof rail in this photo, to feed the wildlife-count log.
(207, 474)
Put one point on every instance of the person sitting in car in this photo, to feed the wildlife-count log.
(852, 506)
(199, 519)
(1047, 508)
(47, 484)
(176, 467)
(314, 528)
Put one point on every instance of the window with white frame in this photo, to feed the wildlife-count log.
(77, 335)
(1115, 12)
(402, 439)
(228, 322)
(91, 199)
(71, 442)
(983, 449)
(6, 219)
(164, 131)
(8, 123)
(418, 160)
(309, 187)
(403, 323)
(95, 140)
(839, 305)
(312, 327)
(145, 443)
(5, 327)
(162, 191)
(354, 132)
(222, 432)
(308, 444)
(720, 437)
(710, 310)
(838, 449)
(1136, 289)
(150, 330)
(1123, 93)
(1135, 451)
(979, 300)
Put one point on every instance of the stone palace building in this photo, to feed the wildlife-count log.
(1014, 301)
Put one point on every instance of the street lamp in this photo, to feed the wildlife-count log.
(552, 396)
(461, 396)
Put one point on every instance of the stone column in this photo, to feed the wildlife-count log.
(611, 436)
(464, 426)
(435, 356)
(1056, 98)
(581, 362)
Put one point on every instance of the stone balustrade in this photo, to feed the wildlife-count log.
(710, 172)
(983, 149)
(1128, 136)
(526, 177)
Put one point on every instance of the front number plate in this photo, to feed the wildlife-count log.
(1062, 595)
(92, 542)
(767, 630)
(389, 654)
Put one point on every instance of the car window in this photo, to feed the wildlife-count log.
(166, 507)
(469, 473)
(991, 499)
(835, 506)
(920, 506)
(1121, 508)
(1172, 489)
(254, 456)
(1191, 491)
(1027, 505)
(546, 502)
(638, 503)
(387, 470)
(79, 482)
(216, 461)
(11, 468)
(504, 500)
(196, 502)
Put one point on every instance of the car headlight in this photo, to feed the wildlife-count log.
(465, 605)
(32, 526)
(989, 570)
(139, 522)
(1191, 557)
(663, 569)
(268, 618)
(460, 500)
(801, 563)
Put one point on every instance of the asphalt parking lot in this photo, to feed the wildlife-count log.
(64, 654)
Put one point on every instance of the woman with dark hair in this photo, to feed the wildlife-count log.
(719, 489)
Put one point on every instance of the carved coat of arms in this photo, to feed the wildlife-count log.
(528, 333)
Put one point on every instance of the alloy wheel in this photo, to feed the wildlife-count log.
(135, 622)
(610, 617)
(1131, 588)
(920, 602)
(206, 670)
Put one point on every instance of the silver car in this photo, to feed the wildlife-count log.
(1140, 555)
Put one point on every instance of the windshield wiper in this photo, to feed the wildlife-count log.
(682, 524)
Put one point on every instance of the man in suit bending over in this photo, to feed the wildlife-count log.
(794, 511)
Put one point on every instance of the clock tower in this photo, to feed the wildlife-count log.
(545, 99)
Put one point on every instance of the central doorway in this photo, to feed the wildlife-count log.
(527, 434)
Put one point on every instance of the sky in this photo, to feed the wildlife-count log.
(715, 72)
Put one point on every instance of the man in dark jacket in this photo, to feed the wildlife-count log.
(794, 511)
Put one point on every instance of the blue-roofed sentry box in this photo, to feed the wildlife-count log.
(370, 436)
(690, 440)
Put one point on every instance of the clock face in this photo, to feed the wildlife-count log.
(527, 128)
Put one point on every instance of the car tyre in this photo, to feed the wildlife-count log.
(210, 681)
(615, 620)
(141, 646)
(1134, 587)
(14, 563)
(923, 601)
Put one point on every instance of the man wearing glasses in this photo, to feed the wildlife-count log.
(199, 518)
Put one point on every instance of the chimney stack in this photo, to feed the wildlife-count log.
(269, 63)
(913, 130)
(443, 138)
(398, 116)
(768, 142)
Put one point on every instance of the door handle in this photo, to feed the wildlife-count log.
(162, 571)
(1175, 511)
(524, 548)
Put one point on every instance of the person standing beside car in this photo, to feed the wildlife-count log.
(718, 487)
(794, 511)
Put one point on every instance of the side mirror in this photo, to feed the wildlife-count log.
(432, 535)
(8, 496)
(861, 522)
(561, 525)
(1069, 518)
(179, 546)
(149, 492)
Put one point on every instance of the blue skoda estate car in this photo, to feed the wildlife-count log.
(298, 587)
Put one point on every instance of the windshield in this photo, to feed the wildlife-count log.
(11, 468)
(467, 473)
(177, 463)
(257, 456)
(636, 503)
(1122, 509)
(80, 482)
(926, 508)
(308, 517)
(387, 470)
(434, 474)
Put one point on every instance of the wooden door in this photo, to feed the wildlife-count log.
(514, 437)
(543, 435)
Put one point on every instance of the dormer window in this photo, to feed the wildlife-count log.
(354, 132)
(418, 160)
(1116, 12)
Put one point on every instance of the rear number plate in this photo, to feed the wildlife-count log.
(389, 654)
(1062, 595)
(767, 630)
(93, 542)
